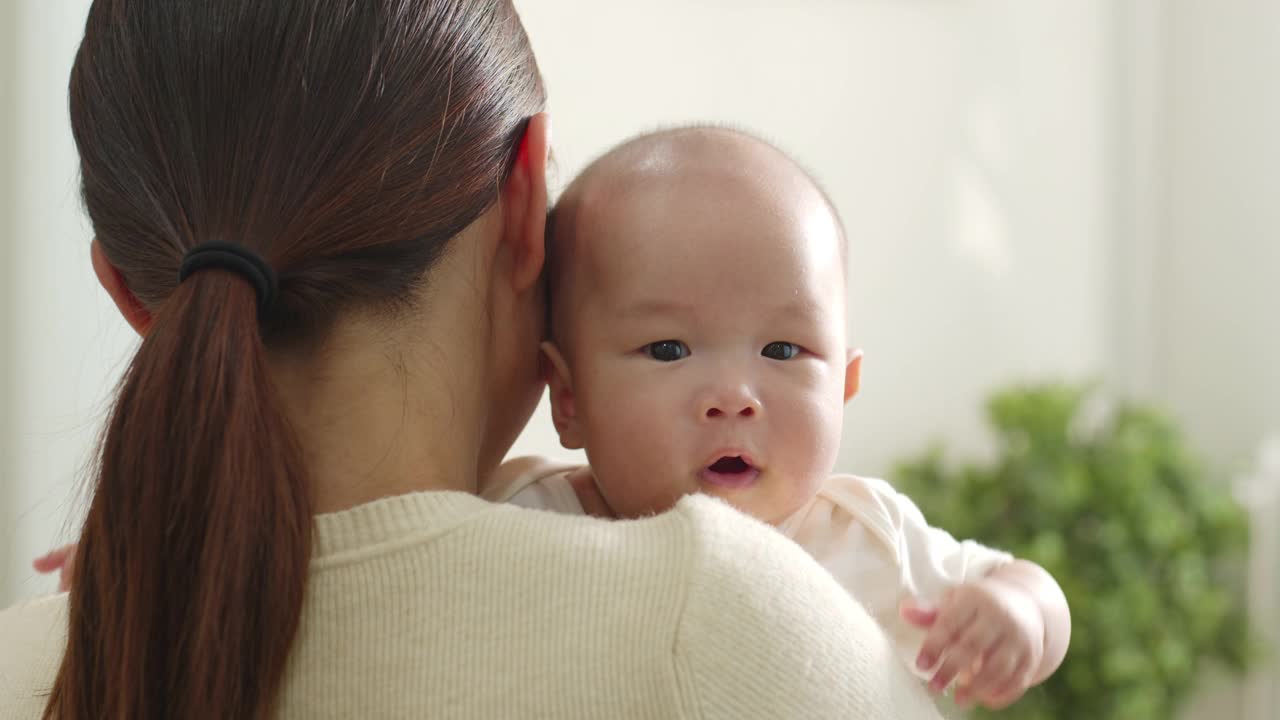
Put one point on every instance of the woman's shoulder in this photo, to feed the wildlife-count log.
(733, 553)
(706, 588)
(698, 531)
(32, 637)
(759, 603)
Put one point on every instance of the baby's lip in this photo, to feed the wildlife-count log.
(735, 476)
(731, 452)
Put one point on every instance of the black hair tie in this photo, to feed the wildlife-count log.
(238, 259)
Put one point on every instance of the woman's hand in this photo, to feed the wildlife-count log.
(61, 561)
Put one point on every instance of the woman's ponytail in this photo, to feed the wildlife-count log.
(349, 142)
(193, 559)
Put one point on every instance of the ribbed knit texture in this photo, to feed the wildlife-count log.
(441, 605)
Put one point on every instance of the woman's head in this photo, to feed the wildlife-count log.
(345, 142)
(381, 157)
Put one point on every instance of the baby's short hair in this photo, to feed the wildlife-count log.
(667, 132)
(555, 263)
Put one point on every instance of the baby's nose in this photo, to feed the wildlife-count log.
(738, 402)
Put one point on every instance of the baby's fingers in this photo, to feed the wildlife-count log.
(52, 560)
(1013, 690)
(1003, 699)
(947, 629)
(996, 671)
(964, 655)
(920, 616)
(63, 559)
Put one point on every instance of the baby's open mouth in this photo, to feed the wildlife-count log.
(731, 471)
(730, 465)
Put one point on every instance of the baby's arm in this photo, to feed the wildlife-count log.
(537, 483)
(1000, 634)
(540, 484)
(1047, 594)
(967, 602)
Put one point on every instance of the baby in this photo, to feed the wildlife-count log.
(697, 292)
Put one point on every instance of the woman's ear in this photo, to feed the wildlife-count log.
(132, 309)
(524, 203)
(564, 412)
(852, 373)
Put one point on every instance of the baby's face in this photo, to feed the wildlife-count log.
(706, 343)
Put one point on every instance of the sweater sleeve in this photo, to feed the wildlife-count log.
(766, 633)
(32, 637)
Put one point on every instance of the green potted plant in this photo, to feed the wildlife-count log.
(1148, 551)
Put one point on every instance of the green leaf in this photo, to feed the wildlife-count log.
(1146, 545)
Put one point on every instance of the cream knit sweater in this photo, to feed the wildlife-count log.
(441, 605)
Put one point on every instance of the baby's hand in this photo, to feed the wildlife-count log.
(61, 561)
(990, 633)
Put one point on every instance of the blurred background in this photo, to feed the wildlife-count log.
(1061, 191)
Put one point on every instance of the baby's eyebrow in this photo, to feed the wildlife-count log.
(648, 308)
(803, 308)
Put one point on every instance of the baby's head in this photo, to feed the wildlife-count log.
(698, 324)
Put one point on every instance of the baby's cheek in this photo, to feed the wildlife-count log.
(633, 458)
(813, 440)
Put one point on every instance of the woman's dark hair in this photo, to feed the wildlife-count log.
(345, 142)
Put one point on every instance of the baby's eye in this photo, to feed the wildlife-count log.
(780, 350)
(667, 350)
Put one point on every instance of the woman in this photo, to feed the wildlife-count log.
(326, 221)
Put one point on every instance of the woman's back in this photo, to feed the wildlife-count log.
(443, 604)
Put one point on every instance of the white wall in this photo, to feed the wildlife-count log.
(1219, 343)
(1199, 292)
(8, 141)
(65, 347)
(1217, 356)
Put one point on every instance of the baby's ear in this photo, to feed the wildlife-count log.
(852, 373)
(563, 408)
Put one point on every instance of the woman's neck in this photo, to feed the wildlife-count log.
(372, 422)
